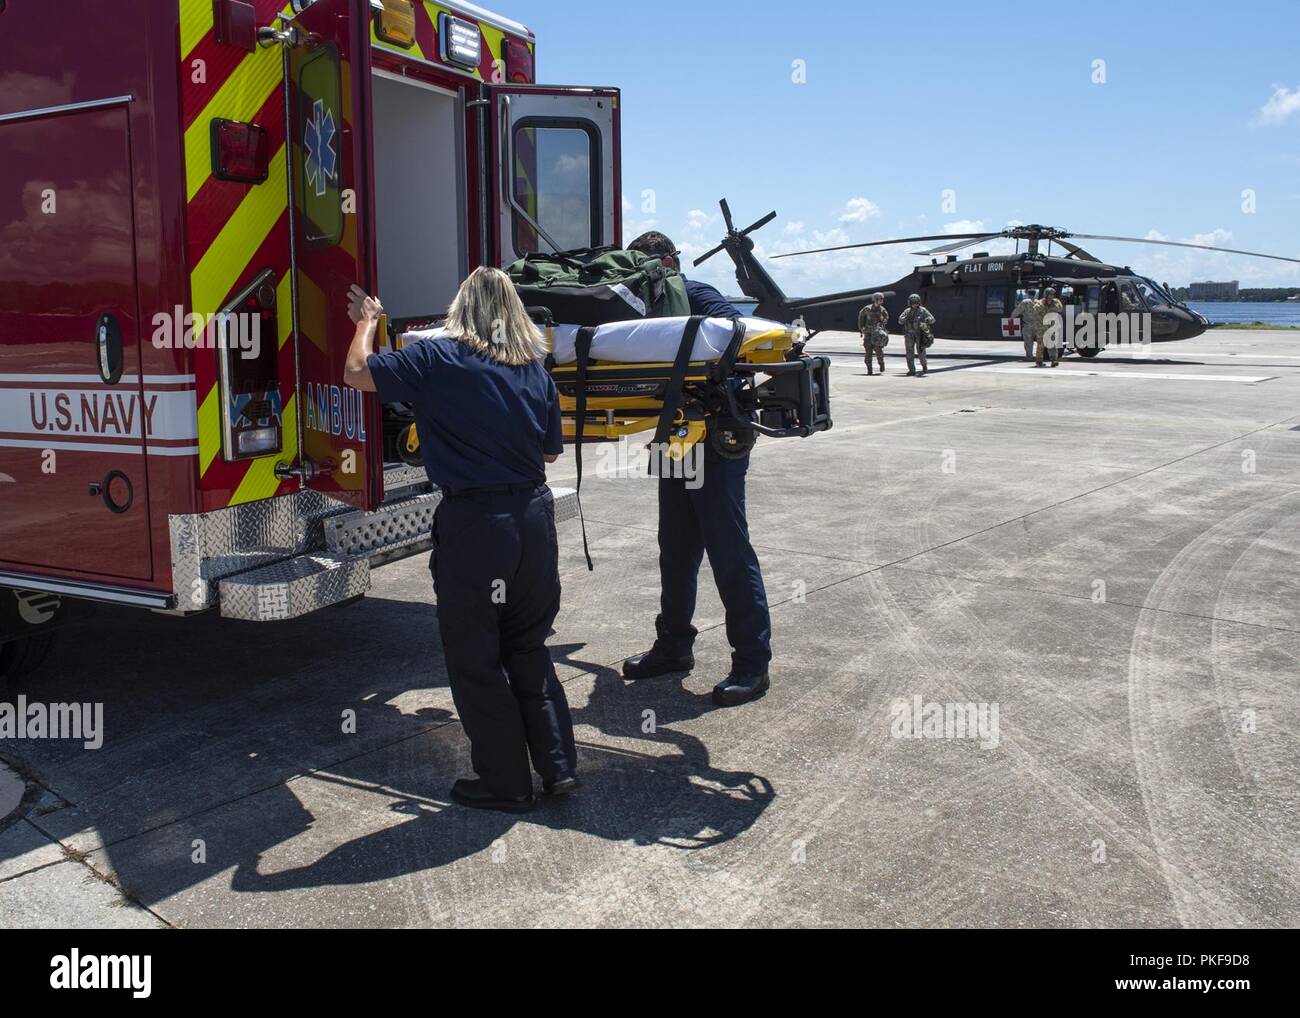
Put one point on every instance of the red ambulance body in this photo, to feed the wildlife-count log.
(187, 190)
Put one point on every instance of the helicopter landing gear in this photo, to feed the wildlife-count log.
(1088, 351)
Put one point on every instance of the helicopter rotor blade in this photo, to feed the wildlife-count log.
(758, 225)
(882, 243)
(945, 248)
(707, 255)
(1179, 243)
(726, 214)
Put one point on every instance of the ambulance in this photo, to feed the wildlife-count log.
(187, 190)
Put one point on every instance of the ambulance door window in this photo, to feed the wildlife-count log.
(319, 93)
(556, 181)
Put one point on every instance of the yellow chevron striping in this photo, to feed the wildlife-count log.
(260, 481)
(313, 308)
(196, 22)
(226, 259)
(239, 98)
(209, 428)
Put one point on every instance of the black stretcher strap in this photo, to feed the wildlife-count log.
(582, 346)
(674, 390)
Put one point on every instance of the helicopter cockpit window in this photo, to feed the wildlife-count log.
(1152, 294)
(1128, 298)
(1094, 296)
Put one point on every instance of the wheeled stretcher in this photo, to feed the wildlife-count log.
(688, 379)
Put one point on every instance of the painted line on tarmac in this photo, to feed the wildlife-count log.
(1078, 373)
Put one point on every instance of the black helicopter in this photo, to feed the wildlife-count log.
(973, 297)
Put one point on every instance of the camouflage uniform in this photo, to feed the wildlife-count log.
(872, 323)
(1026, 311)
(1045, 307)
(917, 323)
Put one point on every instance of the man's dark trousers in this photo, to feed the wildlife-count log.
(710, 519)
(496, 575)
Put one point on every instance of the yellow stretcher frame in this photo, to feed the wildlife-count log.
(620, 412)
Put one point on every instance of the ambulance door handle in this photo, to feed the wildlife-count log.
(108, 348)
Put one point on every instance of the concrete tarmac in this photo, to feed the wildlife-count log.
(1101, 558)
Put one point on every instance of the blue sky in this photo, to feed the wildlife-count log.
(993, 101)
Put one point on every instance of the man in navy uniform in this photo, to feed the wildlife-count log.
(706, 516)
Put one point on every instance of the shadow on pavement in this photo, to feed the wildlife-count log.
(246, 752)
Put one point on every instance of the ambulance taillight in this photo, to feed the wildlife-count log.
(240, 152)
(252, 408)
(519, 61)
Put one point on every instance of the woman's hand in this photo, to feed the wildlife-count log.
(362, 307)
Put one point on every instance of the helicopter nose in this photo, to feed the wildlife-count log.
(1190, 323)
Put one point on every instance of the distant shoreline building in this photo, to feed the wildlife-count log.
(1213, 291)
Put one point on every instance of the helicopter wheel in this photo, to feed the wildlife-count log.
(731, 439)
(1088, 351)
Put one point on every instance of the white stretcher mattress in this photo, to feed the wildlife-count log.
(645, 340)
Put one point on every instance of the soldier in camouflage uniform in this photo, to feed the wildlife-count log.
(1025, 312)
(1047, 330)
(917, 323)
(873, 321)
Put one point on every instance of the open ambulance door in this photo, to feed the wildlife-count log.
(557, 169)
(331, 174)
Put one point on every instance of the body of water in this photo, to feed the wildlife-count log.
(1283, 313)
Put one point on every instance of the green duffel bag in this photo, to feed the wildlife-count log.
(598, 285)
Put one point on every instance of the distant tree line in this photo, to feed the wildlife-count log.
(1262, 294)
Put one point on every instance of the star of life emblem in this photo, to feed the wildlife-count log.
(318, 142)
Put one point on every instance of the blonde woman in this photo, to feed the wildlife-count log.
(488, 418)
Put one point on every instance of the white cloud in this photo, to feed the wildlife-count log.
(792, 229)
(1215, 238)
(1282, 105)
(633, 228)
(965, 226)
(859, 210)
(697, 219)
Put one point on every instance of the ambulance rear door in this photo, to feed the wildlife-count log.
(556, 166)
(331, 177)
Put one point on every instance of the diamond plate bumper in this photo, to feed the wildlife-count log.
(334, 552)
(289, 589)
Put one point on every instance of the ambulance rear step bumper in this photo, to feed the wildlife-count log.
(355, 542)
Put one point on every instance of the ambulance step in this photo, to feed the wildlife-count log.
(566, 504)
(401, 480)
(355, 541)
(407, 526)
(297, 586)
(408, 521)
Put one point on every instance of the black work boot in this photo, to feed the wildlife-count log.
(737, 689)
(652, 664)
(473, 793)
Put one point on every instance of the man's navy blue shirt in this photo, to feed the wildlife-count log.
(705, 300)
(480, 422)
